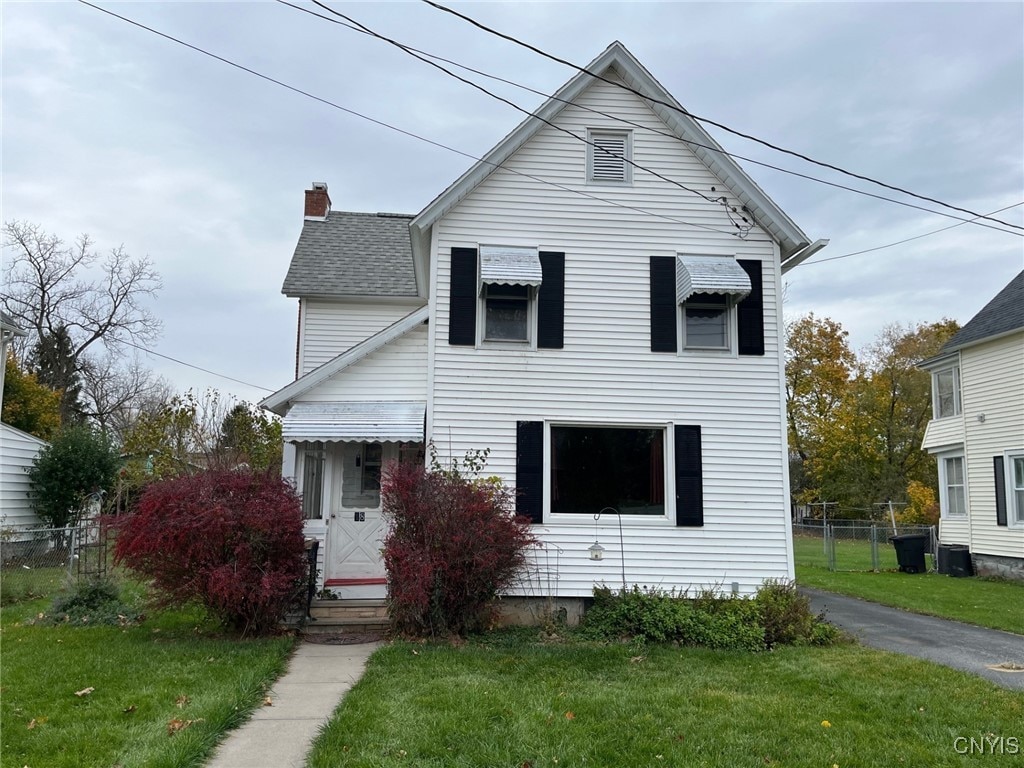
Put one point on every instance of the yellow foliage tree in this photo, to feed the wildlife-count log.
(29, 405)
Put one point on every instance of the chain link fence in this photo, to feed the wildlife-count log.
(855, 545)
(36, 562)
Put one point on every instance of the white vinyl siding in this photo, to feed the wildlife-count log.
(330, 328)
(606, 373)
(17, 452)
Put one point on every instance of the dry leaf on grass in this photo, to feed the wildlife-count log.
(267, 701)
(85, 691)
(32, 724)
(129, 709)
(182, 701)
(570, 715)
(177, 724)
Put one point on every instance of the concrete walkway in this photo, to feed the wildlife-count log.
(279, 736)
(960, 646)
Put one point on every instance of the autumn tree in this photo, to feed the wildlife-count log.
(251, 436)
(79, 308)
(29, 405)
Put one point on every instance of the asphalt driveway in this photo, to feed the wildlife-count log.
(961, 646)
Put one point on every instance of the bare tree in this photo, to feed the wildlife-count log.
(116, 393)
(68, 293)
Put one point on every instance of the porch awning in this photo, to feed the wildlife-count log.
(355, 422)
(710, 274)
(506, 265)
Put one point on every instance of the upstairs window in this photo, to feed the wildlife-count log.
(506, 313)
(946, 392)
(608, 156)
(706, 322)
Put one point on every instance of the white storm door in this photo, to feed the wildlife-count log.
(356, 527)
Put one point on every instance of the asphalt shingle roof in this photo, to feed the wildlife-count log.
(353, 254)
(1003, 314)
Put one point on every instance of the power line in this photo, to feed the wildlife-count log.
(721, 200)
(190, 365)
(724, 127)
(396, 129)
(625, 121)
(905, 240)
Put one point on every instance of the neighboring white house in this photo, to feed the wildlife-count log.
(977, 434)
(17, 452)
(601, 310)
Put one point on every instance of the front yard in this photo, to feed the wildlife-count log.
(158, 694)
(530, 704)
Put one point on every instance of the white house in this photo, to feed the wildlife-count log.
(977, 434)
(598, 302)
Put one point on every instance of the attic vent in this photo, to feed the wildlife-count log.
(607, 156)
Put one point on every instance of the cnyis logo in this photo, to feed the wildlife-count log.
(989, 744)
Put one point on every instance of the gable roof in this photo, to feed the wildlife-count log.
(278, 402)
(616, 58)
(1005, 313)
(353, 254)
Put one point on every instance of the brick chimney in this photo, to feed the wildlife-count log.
(318, 202)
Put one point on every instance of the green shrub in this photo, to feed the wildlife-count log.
(78, 463)
(90, 602)
(785, 614)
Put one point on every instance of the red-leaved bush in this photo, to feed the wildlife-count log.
(453, 544)
(231, 540)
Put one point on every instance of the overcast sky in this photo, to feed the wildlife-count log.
(111, 130)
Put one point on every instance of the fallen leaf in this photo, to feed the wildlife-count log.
(826, 724)
(175, 725)
(267, 701)
(129, 709)
(182, 701)
(415, 652)
(31, 724)
(570, 715)
(85, 691)
(637, 659)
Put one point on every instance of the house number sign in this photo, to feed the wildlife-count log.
(359, 517)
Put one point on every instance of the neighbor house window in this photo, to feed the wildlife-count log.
(372, 459)
(506, 312)
(706, 322)
(597, 467)
(1016, 488)
(313, 459)
(953, 486)
(608, 156)
(946, 392)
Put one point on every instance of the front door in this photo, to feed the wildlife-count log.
(356, 527)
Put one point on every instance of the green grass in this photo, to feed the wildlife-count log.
(138, 674)
(538, 705)
(851, 555)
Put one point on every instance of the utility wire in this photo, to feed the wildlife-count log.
(680, 109)
(190, 365)
(906, 240)
(667, 134)
(720, 200)
(402, 131)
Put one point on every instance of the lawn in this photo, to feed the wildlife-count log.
(851, 555)
(145, 680)
(535, 705)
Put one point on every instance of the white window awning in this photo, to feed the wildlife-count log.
(507, 265)
(710, 274)
(355, 422)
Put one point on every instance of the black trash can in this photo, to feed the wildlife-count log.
(910, 551)
(942, 563)
(959, 561)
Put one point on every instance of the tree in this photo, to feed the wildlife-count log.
(54, 363)
(251, 436)
(29, 405)
(78, 463)
(77, 307)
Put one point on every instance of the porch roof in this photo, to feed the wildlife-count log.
(355, 422)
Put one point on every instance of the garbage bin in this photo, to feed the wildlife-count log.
(910, 551)
(959, 561)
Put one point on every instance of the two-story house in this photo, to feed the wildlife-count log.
(598, 302)
(977, 434)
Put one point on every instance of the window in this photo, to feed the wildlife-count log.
(608, 156)
(506, 312)
(1016, 489)
(706, 322)
(313, 481)
(372, 459)
(946, 392)
(597, 467)
(953, 486)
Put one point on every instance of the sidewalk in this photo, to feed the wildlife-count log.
(279, 736)
(966, 647)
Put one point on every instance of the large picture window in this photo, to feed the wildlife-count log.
(597, 467)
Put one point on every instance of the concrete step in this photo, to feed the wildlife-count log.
(362, 610)
(345, 626)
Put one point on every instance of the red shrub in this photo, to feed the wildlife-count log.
(231, 540)
(452, 546)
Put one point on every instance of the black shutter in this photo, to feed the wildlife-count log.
(1000, 473)
(689, 476)
(551, 301)
(750, 312)
(530, 470)
(663, 304)
(462, 306)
